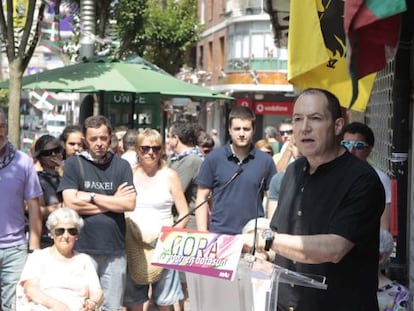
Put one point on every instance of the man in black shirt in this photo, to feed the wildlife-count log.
(327, 220)
(99, 186)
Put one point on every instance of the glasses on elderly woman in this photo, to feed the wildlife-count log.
(61, 231)
(356, 144)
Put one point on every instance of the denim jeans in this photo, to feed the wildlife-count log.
(12, 260)
(165, 292)
(111, 270)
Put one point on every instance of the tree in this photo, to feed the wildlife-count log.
(21, 22)
(163, 32)
(130, 17)
(4, 99)
(20, 37)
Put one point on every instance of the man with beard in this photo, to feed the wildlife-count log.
(233, 178)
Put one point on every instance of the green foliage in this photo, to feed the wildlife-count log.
(4, 99)
(130, 17)
(163, 32)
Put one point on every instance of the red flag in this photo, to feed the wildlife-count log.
(42, 99)
(49, 37)
(372, 28)
(54, 47)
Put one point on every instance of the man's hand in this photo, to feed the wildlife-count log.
(260, 245)
(248, 241)
(124, 190)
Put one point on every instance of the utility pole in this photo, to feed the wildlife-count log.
(87, 34)
(89, 105)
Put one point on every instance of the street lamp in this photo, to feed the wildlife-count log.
(87, 33)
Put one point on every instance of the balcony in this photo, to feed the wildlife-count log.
(243, 64)
(236, 8)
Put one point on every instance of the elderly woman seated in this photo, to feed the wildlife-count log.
(57, 277)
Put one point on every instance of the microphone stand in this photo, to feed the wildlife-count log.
(237, 173)
(253, 249)
(193, 210)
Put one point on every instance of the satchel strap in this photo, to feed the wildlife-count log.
(81, 173)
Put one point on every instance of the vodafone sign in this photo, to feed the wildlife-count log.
(273, 108)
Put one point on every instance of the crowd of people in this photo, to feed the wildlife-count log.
(67, 210)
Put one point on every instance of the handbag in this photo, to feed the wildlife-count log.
(139, 253)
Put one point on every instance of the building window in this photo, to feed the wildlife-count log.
(202, 11)
(221, 60)
(201, 57)
(210, 56)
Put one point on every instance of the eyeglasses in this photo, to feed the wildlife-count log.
(71, 231)
(47, 153)
(288, 132)
(146, 149)
(356, 144)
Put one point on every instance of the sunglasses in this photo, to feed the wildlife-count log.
(146, 149)
(288, 132)
(71, 231)
(48, 153)
(356, 144)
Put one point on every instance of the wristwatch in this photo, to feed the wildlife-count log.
(269, 236)
(92, 200)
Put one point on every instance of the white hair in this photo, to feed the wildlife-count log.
(66, 215)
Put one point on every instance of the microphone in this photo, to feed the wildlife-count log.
(221, 188)
(259, 190)
(237, 173)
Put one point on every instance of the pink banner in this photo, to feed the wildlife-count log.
(205, 253)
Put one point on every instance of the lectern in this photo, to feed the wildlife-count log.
(254, 288)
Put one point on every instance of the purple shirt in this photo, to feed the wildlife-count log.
(18, 182)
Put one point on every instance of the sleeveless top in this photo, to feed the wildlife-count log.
(154, 201)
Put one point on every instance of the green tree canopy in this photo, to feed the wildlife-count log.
(163, 32)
